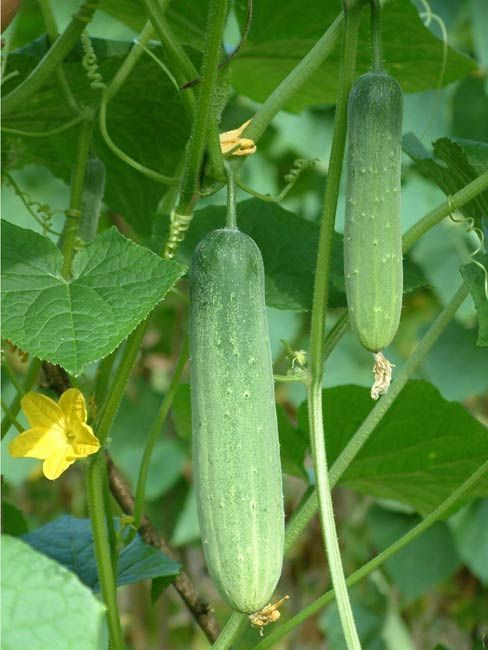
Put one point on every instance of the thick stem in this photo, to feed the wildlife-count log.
(377, 46)
(377, 561)
(48, 64)
(108, 587)
(217, 15)
(443, 210)
(232, 630)
(317, 335)
(231, 218)
(73, 216)
(14, 408)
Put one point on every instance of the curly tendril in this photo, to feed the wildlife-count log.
(42, 213)
(470, 227)
(90, 63)
(299, 166)
(179, 224)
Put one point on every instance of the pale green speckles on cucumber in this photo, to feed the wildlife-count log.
(372, 239)
(235, 435)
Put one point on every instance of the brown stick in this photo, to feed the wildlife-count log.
(58, 380)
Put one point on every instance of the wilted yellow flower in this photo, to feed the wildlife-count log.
(231, 142)
(59, 433)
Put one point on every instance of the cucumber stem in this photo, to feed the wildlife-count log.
(377, 561)
(317, 335)
(231, 217)
(376, 42)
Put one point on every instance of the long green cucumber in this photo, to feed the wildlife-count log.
(236, 455)
(372, 236)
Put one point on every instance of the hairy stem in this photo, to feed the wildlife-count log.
(94, 486)
(317, 335)
(377, 561)
(217, 15)
(377, 46)
(53, 58)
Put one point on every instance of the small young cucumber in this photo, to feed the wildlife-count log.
(236, 453)
(372, 237)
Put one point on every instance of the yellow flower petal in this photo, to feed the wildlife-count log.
(38, 442)
(84, 442)
(41, 411)
(72, 403)
(58, 463)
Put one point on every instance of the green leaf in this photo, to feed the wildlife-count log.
(187, 18)
(13, 522)
(158, 586)
(115, 285)
(369, 626)
(187, 529)
(157, 141)
(288, 245)
(279, 39)
(420, 566)
(136, 414)
(471, 535)
(476, 281)
(452, 165)
(46, 606)
(69, 541)
(420, 452)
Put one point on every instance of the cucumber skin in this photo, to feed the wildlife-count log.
(236, 453)
(372, 236)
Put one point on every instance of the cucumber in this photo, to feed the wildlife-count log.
(93, 192)
(372, 238)
(236, 454)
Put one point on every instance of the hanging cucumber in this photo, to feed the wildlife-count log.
(372, 237)
(236, 453)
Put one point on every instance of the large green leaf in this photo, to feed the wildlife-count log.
(420, 566)
(471, 535)
(420, 452)
(288, 244)
(476, 280)
(157, 140)
(69, 541)
(281, 35)
(44, 605)
(115, 284)
(452, 165)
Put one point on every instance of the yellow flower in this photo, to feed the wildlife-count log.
(59, 434)
(231, 143)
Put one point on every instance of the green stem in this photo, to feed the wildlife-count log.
(377, 561)
(292, 83)
(377, 46)
(109, 521)
(47, 133)
(217, 15)
(102, 549)
(334, 336)
(73, 216)
(53, 33)
(309, 507)
(53, 58)
(13, 378)
(154, 434)
(317, 335)
(11, 417)
(443, 210)
(111, 406)
(232, 630)
(30, 379)
(231, 217)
